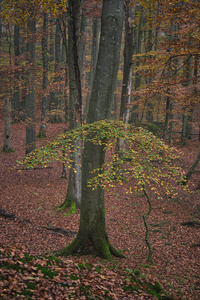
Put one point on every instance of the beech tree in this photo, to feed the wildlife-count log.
(92, 229)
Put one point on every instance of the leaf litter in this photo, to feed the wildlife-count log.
(27, 272)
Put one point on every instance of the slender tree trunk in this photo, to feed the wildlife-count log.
(138, 49)
(7, 147)
(94, 55)
(185, 116)
(128, 53)
(167, 115)
(30, 90)
(56, 97)
(42, 132)
(51, 40)
(73, 197)
(169, 75)
(149, 104)
(127, 74)
(171, 123)
(92, 234)
(16, 93)
(23, 36)
(191, 109)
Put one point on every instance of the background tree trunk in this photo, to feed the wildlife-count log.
(138, 31)
(94, 55)
(30, 89)
(6, 147)
(56, 97)
(42, 132)
(16, 93)
(128, 54)
(73, 197)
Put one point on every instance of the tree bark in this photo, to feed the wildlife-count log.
(94, 55)
(185, 116)
(6, 147)
(137, 50)
(42, 132)
(92, 235)
(16, 94)
(30, 90)
(56, 97)
(73, 197)
(128, 53)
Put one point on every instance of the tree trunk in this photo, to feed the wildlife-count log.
(128, 53)
(149, 48)
(51, 40)
(73, 197)
(167, 115)
(127, 74)
(6, 147)
(16, 94)
(42, 132)
(185, 117)
(171, 123)
(138, 49)
(30, 90)
(56, 97)
(94, 54)
(92, 236)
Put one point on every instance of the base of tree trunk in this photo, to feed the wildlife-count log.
(68, 204)
(85, 246)
(7, 149)
(41, 134)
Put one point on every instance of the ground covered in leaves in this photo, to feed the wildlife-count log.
(31, 227)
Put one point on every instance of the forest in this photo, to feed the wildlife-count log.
(100, 149)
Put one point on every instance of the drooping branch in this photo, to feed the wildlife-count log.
(145, 216)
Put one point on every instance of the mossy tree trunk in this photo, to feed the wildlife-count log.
(92, 236)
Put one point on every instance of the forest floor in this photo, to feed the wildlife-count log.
(30, 226)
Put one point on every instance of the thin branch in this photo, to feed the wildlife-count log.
(150, 260)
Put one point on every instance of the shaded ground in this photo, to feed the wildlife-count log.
(32, 194)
